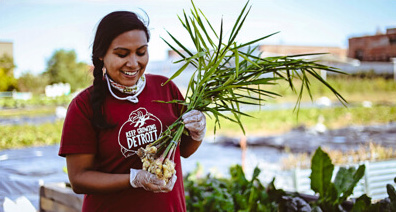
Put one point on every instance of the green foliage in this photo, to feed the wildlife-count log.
(27, 112)
(364, 203)
(247, 194)
(242, 195)
(322, 170)
(208, 195)
(36, 101)
(227, 75)
(234, 194)
(392, 196)
(7, 79)
(281, 120)
(63, 67)
(375, 89)
(29, 82)
(332, 194)
(30, 135)
(364, 74)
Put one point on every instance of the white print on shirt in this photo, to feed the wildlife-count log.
(140, 129)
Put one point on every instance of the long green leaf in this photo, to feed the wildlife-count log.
(322, 171)
(357, 175)
(178, 72)
(237, 22)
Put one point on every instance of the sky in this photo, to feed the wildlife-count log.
(38, 28)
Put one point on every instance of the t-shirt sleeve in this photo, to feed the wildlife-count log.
(78, 134)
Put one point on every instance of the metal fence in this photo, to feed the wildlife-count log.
(16, 95)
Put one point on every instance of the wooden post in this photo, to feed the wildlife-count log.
(243, 145)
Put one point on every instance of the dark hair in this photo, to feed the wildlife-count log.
(109, 28)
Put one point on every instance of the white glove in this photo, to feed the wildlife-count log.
(195, 123)
(139, 178)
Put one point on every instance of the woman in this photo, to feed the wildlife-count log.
(108, 122)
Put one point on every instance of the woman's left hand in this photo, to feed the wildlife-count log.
(195, 123)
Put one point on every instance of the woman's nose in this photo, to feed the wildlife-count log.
(132, 61)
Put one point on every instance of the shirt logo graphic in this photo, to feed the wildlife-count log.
(140, 129)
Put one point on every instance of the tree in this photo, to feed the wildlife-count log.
(7, 79)
(28, 82)
(63, 67)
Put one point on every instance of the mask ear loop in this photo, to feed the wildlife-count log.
(133, 98)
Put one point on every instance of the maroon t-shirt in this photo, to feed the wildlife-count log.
(137, 124)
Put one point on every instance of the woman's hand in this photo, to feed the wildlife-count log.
(143, 179)
(195, 123)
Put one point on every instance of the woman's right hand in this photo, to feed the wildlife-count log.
(143, 179)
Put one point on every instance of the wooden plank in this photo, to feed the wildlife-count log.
(48, 205)
(62, 195)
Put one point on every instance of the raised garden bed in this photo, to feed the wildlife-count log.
(59, 197)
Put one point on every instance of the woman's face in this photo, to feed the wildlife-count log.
(127, 57)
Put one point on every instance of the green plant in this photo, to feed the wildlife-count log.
(35, 101)
(209, 195)
(238, 194)
(227, 76)
(18, 136)
(332, 194)
(364, 203)
(233, 194)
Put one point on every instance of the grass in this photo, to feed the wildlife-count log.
(33, 111)
(18, 136)
(352, 89)
(269, 122)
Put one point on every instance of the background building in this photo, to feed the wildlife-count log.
(379, 47)
(6, 48)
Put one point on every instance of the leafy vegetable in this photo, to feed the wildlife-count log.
(234, 194)
(332, 194)
(237, 193)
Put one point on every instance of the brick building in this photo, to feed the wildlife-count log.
(380, 47)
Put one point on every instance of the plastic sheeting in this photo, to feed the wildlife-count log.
(22, 171)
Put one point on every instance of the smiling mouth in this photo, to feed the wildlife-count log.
(130, 73)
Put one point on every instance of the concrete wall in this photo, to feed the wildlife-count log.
(377, 67)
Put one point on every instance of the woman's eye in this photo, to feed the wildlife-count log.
(122, 55)
(141, 53)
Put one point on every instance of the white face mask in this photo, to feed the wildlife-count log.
(135, 89)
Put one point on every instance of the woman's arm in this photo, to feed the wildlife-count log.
(188, 146)
(85, 180)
